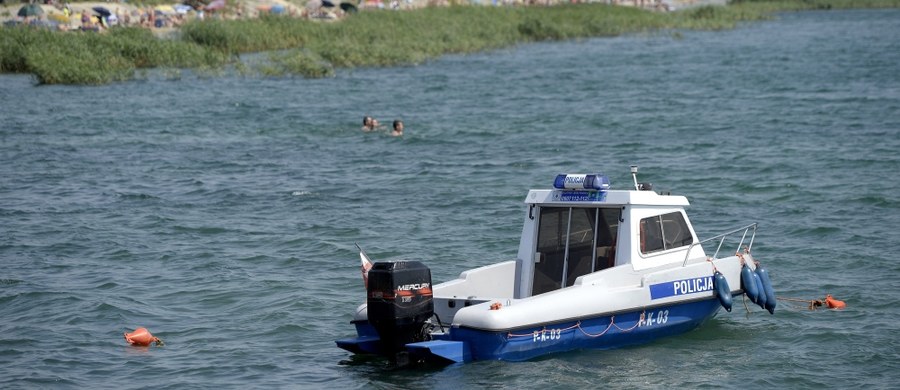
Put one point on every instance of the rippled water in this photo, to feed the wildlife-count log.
(222, 213)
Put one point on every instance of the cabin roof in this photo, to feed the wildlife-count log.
(599, 198)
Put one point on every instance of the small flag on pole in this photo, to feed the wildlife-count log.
(365, 266)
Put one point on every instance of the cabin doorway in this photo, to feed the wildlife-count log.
(571, 242)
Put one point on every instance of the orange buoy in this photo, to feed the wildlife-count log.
(496, 306)
(834, 303)
(141, 337)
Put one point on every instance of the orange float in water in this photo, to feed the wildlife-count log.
(834, 303)
(141, 337)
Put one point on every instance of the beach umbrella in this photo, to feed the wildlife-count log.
(30, 10)
(102, 11)
(215, 5)
(348, 8)
(164, 9)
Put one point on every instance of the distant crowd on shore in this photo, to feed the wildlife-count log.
(101, 18)
(119, 13)
(141, 17)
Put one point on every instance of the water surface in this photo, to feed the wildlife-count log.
(222, 213)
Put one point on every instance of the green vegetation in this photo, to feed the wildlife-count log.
(389, 38)
(372, 38)
(88, 58)
(299, 62)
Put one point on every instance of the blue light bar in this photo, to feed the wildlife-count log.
(598, 182)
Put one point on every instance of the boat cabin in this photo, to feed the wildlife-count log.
(574, 232)
(580, 227)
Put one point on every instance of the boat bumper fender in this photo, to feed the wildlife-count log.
(767, 287)
(748, 284)
(723, 292)
(761, 301)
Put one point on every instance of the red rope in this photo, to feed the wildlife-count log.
(612, 323)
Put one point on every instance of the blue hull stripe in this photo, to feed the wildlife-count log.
(605, 332)
(596, 333)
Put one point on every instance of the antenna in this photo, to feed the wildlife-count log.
(634, 169)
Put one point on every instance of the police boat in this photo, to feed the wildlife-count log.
(596, 269)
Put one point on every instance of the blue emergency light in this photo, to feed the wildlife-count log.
(598, 182)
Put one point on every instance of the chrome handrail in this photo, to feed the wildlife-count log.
(721, 238)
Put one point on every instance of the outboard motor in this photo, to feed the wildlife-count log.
(400, 301)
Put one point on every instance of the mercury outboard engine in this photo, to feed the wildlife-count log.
(399, 302)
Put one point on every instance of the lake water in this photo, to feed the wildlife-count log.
(221, 213)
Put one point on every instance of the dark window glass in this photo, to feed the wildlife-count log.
(675, 231)
(607, 233)
(667, 231)
(581, 240)
(588, 232)
(551, 249)
(651, 235)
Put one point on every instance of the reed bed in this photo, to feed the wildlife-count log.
(384, 38)
(87, 58)
(371, 38)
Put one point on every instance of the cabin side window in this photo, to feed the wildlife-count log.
(573, 242)
(663, 232)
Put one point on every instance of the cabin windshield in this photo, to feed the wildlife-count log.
(572, 242)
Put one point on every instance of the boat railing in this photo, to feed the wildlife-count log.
(722, 237)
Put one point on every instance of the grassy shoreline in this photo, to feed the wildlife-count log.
(377, 38)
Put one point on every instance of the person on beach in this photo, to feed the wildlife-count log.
(85, 19)
(398, 128)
